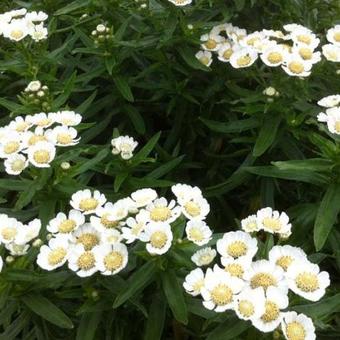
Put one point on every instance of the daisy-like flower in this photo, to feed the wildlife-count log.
(194, 282)
(185, 192)
(236, 267)
(204, 256)
(295, 27)
(272, 316)
(63, 136)
(143, 197)
(333, 35)
(211, 42)
(249, 304)
(305, 279)
(87, 202)
(237, 244)
(39, 32)
(330, 101)
(111, 259)
(124, 145)
(295, 66)
(66, 224)
(15, 164)
(55, 254)
(249, 224)
(297, 327)
(19, 124)
(251, 39)
(196, 208)
(158, 236)
(9, 229)
(225, 51)
(205, 57)
(27, 233)
(31, 138)
(305, 37)
(332, 118)
(181, 2)
(17, 29)
(42, 120)
(307, 53)
(41, 154)
(33, 86)
(198, 232)
(82, 262)
(219, 290)
(331, 52)
(37, 16)
(162, 211)
(67, 118)
(265, 274)
(87, 236)
(135, 226)
(243, 57)
(274, 56)
(285, 256)
(10, 144)
(273, 221)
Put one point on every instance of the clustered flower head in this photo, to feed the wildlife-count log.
(18, 24)
(331, 116)
(16, 236)
(93, 236)
(331, 51)
(36, 93)
(292, 50)
(123, 145)
(33, 139)
(257, 289)
(101, 34)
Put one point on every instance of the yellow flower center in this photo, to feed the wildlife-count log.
(88, 240)
(18, 165)
(210, 44)
(284, 262)
(41, 156)
(305, 53)
(158, 239)
(137, 228)
(227, 53)
(86, 261)
(192, 208)
(36, 138)
(17, 34)
(237, 249)
(307, 282)
(113, 261)
(273, 224)
(21, 126)
(234, 269)
(295, 331)
(196, 234)
(252, 41)
(275, 57)
(66, 121)
(11, 147)
(251, 226)
(56, 256)
(160, 214)
(198, 285)
(336, 36)
(272, 312)
(67, 226)
(8, 233)
(337, 126)
(44, 122)
(264, 280)
(88, 204)
(246, 308)
(304, 38)
(64, 138)
(244, 60)
(296, 67)
(108, 223)
(221, 295)
(204, 60)
(205, 259)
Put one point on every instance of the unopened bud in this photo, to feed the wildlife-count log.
(65, 165)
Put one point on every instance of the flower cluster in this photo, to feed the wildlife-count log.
(293, 50)
(33, 139)
(93, 235)
(35, 93)
(18, 24)
(257, 290)
(331, 51)
(101, 34)
(16, 236)
(123, 145)
(332, 115)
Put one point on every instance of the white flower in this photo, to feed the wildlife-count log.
(249, 224)
(249, 304)
(17, 29)
(331, 52)
(196, 208)
(295, 27)
(30, 138)
(55, 254)
(66, 224)
(108, 216)
(307, 53)
(236, 267)
(111, 236)
(87, 202)
(128, 204)
(304, 37)
(194, 282)
(219, 289)
(333, 35)
(332, 118)
(39, 33)
(19, 124)
(41, 154)
(17, 249)
(305, 279)
(162, 211)
(181, 2)
(9, 229)
(295, 66)
(135, 226)
(33, 86)
(274, 55)
(10, 144)
(185, 192)
(265, 274)
(42, 120)
(82, 261)
(237, 244)
(37, 16)
(198, 232)
(15, 164)
(205, 57)
(285, 256)
(27, 233)
(211, 42)
(143, 197)
(101, 28)
(158, 236)
(243, 57)
(17, 13)
(273, 221)
(88, 236)
(124, 145)
(111, 259)
(63, 136)
(330, 101)
(272, 316)
(297, 327)
(67, 118)
(225, 51)
(203, 257)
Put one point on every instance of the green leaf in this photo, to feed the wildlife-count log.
(156, 318)
(136, 118)
(229, 330)
(123, 87)
(267, 135)
(119, 180)
(71, 7)
(231, 127)
(67, 90)
(137, 281)
(147, 148)
(14, 185)
(327, 215)
(47, 310)
(189, 57)
(165, 168)
(82, 108)
(174, 294)
(88, 326)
